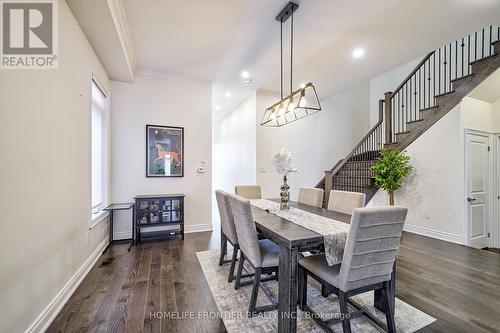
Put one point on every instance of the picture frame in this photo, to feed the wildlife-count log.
(164, 151)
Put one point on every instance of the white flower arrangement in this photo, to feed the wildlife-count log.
(282, 160)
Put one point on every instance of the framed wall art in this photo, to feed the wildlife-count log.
(164, 151)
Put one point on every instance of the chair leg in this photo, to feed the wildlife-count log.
(233, 263)
(324, 290)
(302, 275)
(255, 292)
(389, 313)
(240, 270)
(223, 247)
(344, 310)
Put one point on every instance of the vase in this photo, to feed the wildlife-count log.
(285, 195)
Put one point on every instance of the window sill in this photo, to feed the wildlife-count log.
(98, 218)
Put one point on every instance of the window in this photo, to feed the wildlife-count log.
(99, 148)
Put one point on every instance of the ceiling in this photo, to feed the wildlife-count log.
(215, 40)
(489, 89)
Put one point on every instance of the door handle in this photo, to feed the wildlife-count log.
(469, 199)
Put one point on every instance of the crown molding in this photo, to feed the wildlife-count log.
(172, 76)
(119, 17)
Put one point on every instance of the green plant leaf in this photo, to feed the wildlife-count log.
(390, 169)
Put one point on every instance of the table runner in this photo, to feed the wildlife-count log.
(333, 231)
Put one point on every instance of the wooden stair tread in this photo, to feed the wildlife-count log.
(444, 94)
(462, 78)
(414, 121)
(483, 59)
(429, 108)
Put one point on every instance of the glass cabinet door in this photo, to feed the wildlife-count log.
(165, 216)
(176, 204)
(176, 216)
(152, 211)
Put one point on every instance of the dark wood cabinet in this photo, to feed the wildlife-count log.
(159, 216)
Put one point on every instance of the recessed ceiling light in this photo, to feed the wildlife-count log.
(217, 107)
(227, 94)
(245, 74)
(358, 53)
(247, 81)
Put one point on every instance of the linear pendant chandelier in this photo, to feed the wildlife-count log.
(299, 103)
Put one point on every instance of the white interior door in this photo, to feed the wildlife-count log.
(477, 188)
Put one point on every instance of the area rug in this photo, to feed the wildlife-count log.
(233, 304)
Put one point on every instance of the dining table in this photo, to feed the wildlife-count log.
(293, 239)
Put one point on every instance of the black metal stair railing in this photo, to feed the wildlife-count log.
(352, 172)
(435, 74)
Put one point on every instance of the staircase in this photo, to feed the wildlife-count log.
(436, 85)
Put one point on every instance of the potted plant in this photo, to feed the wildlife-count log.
(390, 169)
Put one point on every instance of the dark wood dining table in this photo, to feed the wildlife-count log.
(293, 239)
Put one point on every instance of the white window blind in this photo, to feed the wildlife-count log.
(99, 109)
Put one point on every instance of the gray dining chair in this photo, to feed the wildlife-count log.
(311, 196)
(345, 202)
(228, 231)
(262, 255)
(371, 248)
(248, 191)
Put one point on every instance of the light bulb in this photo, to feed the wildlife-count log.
(282, 109)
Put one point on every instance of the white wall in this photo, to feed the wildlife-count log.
(317, 142)
(159, 101)
(234, 149)
(45, 180)
(477, 115)
(495, 108)
(434, 192)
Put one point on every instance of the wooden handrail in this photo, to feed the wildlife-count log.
(420, 64)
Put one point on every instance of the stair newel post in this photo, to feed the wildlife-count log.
(328, 186)
(388, 117)
(379, 136)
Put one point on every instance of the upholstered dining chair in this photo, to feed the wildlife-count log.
(311, 196)
(262, 255)
(248, 191)
(228, 231)
(371, 248)
(345, 202)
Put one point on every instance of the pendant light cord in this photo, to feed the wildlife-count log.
(291, 55)
(281, 58)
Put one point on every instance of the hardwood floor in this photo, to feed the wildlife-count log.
(457, 285)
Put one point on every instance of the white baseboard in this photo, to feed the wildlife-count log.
(445, 236)
(118, 235)
(189, 229)
(43, 321)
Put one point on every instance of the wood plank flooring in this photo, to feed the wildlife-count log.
(457, 285)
